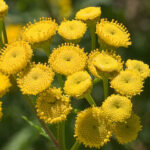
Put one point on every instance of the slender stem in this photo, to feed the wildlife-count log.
(96, 80)
(60, 80)
(5, 34)
(75, 146)
(93, 36)
(105, 85)
(61, 135)
(1, 29)
(47, 130)
(90, 99)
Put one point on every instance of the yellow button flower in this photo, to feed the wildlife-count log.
(52, 106)
(127, 83)
(1, 114)
(15, 57)
(78, 84)
(112, 34)
(72, 31)
(3, 9)
(35, 79)
(117, 108)
(128, 131)
(68, 59)
(91, 128)
(139, 66)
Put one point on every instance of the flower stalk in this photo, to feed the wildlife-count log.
(90, 100)
(105, 85)
(75, 146)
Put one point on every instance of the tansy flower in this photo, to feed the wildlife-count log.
(128, 131)
(78, 84)
(52, 106)
(117, 108)
(40, 31)
(4, 84)
(3, 9)
(15, 57)
(72, 30)
(68, 59)
(91, 128)
(112, 34)
(35, 79)
(127, 83)
(1, 114)
(89, 14)
(139, 66)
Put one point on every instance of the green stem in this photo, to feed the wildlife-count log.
(60, 80)
(90, 99)
(96, 80)
(61, 135)
(93, 36)
(5, 34)
(1, 29)
(75, 146)
(105, 85)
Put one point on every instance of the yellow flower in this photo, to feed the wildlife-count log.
(139, 66)
(15, 57)
(112, 34)
(117, 108)
(1, 114)
(4, 84)
(35, 79)
(128, 131)
(52, 106)
(3, 9)
(72, 30)
(40, 31)
(127, 83)
(68, 59)
(13, 32)
(78, 84)
(89, 14)
(91, 128)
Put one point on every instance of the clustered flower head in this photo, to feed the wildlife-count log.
(3, 9)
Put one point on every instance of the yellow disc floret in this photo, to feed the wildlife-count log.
(72, 30)
(52, 106)
(68, 59)
(88, 13)
(112, 34)
(3, 9)
(35, 79)
(4, 84)
(127, 83)
(78, 84)
(15, 57)
(40, 31)
(117, 108)
(91, 128)
(139, 66)
(1, 114)
(128, 131)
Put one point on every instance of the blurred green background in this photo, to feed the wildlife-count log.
(15, 132)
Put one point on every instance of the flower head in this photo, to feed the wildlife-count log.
(139, 66)
(4, 84)
(112, 34)
(15, 57)
(1, 114)
(72, 30)
(78, 84)
(35, 79)
(68, 59)
(52, 106)
(89, 14)
(91, 128)
(127, 83)
(126, 132)
(3, 9)
(117, 108)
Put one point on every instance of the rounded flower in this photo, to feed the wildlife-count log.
(1, 114)
(72, 30)
(89, 14)
(128, 131)
(4, 84)
(127, 83)
(3, 9)
(35, 79)
(139, 66)
(78, 84)
(40, 31)
(68, 59)
(117, 108)
(15, 57)
(112, 34)
(91, 128)
(52, 106)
